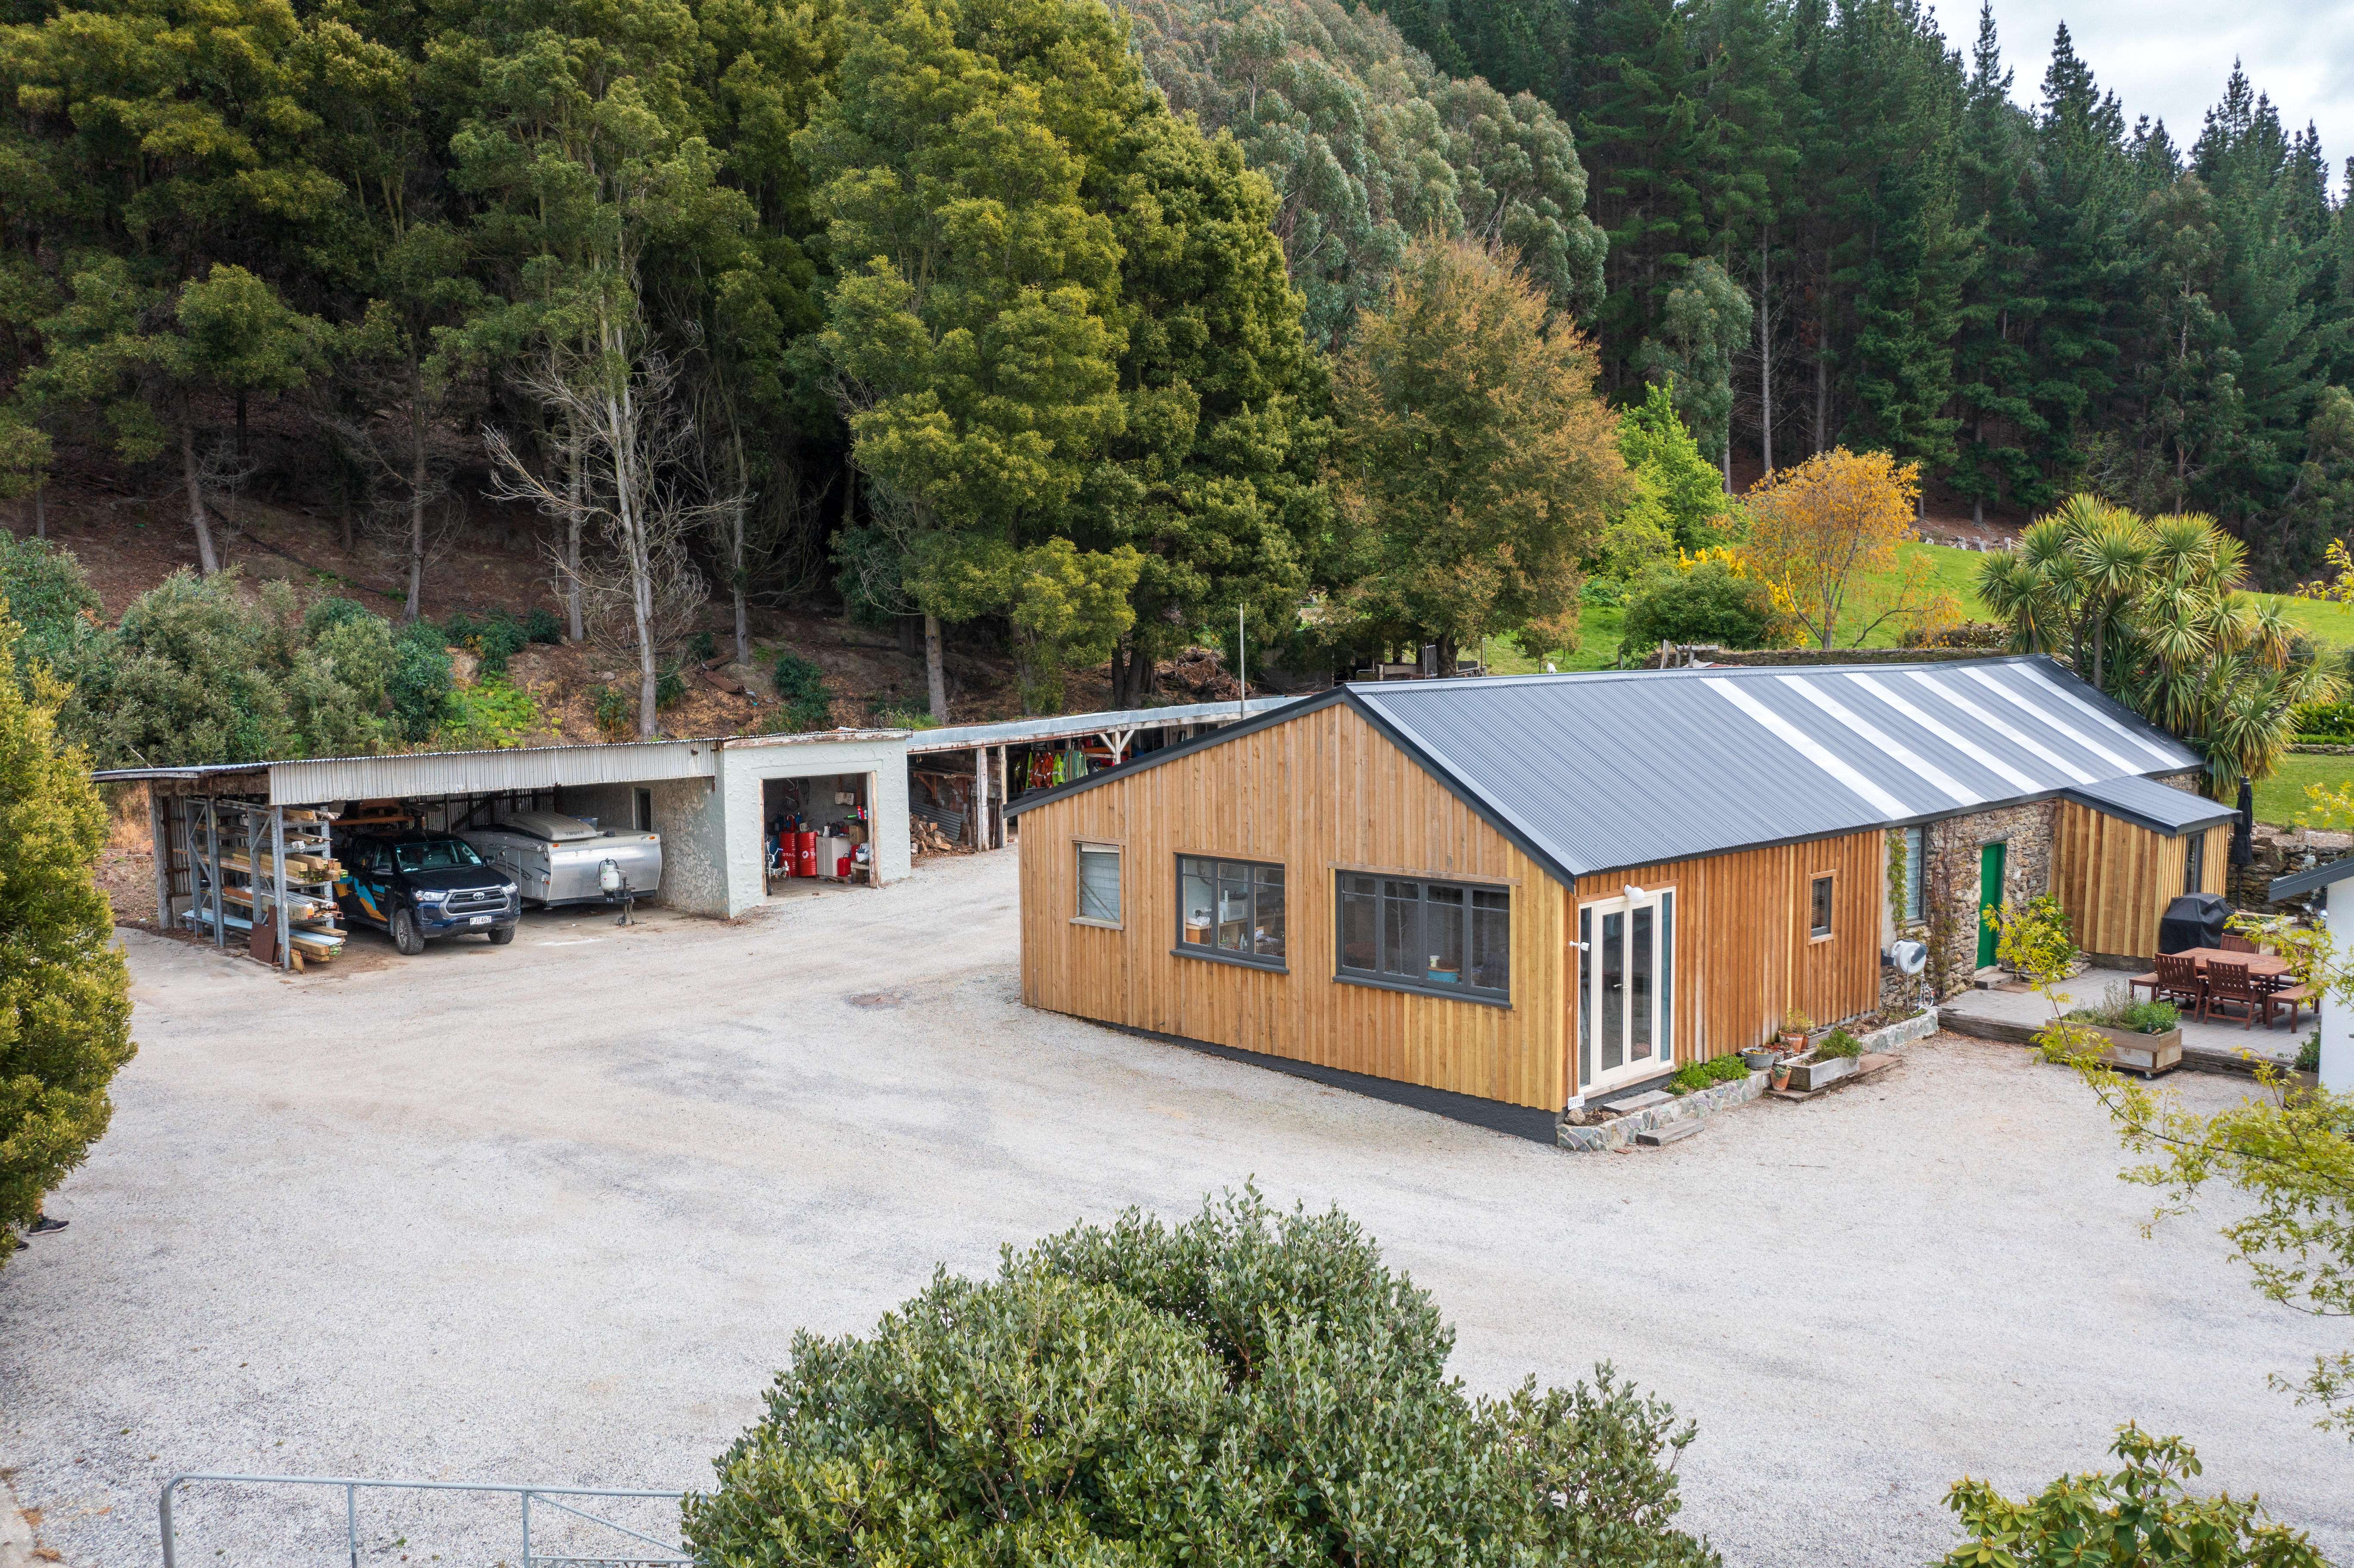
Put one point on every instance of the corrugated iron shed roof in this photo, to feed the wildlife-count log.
(1601, 771)
(2146, 803)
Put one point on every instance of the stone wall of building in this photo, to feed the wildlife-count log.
(1951, 851)
(2277, 852)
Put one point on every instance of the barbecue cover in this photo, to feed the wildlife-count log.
(2193, 920)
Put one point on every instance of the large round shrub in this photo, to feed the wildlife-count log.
(1708, 603)
(1249, 1387)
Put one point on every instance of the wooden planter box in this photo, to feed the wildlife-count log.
(2148, 1055)
(1820, 1075)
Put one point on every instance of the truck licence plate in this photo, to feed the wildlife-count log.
(480, 920)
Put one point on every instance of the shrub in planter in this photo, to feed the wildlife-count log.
(1249, 1386)
(1837, 1044)
(2120, 1008)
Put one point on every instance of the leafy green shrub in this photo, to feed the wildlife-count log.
(1249, 1386)
(2324, 723)
(1990, 636)
(801, 689)
(904, 718)
(616, 714)
(492, 715)
(1693, 1076)
(541, 626)
(2308, 1054)
(50, 598)
(702, 647)
(198, 673)
(2140, 1516)
(1708, 603)
(493, 637)
(420, 683)
(65, 1003)
(670, 688)
(2120, 1008)
(1837, 1045)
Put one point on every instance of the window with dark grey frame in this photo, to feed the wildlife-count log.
(1822, 906)
(2194, 860)
(1450, 939)
(1230, 910)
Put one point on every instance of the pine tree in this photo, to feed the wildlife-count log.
(2085, 208)
(1994, 179)
(64, 994)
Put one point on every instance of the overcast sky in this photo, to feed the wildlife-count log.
(2169, 59)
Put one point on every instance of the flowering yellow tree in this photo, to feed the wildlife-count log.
(1826, 533)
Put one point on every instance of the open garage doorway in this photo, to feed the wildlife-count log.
(817, 831)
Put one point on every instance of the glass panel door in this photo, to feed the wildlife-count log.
(1613, 999)
(1626, 988)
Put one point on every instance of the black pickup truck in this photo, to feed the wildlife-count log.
(420, 886)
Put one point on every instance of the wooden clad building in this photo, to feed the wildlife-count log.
(1534, 891)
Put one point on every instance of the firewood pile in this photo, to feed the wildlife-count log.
(926, 838)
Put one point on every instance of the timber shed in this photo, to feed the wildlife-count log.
(1506, 897)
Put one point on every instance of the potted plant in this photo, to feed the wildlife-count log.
(1780, 1075)
(1795, 1027)
(1757, 1058)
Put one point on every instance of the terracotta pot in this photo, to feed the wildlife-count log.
(1793, 1043)
(1781, 1077)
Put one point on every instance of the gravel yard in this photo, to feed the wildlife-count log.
(552, 1213)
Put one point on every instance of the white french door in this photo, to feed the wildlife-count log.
(1625, 991)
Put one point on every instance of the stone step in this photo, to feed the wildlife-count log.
(1674, 1132)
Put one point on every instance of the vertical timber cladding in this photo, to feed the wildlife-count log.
(2115, 879)
(1745, 955)
(1320, 794)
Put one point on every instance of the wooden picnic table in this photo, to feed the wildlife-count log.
(2262, 968)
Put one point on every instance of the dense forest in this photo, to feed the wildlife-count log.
(1841, 227)
(1046, 321)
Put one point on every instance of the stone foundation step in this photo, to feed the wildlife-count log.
(1674, 1132)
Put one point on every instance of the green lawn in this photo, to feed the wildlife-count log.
(2280, 797)
(1951, 571)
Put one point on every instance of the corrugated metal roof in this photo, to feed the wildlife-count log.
(1595, 772)
(1614, 769)
(2313, 878)
(481, 772)
(2149, 805)
(957, 737)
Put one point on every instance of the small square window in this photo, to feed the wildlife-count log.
(1098, 885)
(1822, 906)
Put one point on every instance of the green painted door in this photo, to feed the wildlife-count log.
(1989, 892)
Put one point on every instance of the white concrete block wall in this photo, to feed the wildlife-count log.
(732, 823)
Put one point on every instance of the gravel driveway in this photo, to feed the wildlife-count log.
(551, 1212)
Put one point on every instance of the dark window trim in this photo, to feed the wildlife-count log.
(1822, 933)
(1380, 981)
(1215, 954)
(1444, 992)
(1211, 955)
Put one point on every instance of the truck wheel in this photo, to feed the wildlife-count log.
(501, 936)
(404, 933)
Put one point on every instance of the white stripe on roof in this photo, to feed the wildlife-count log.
(1946, 732)
(2023, 705)
(2165, 759)
(1874, 736)
(1807, 747)
(1996, 725)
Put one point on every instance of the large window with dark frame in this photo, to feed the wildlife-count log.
(1452, 939)
(1230, 910)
